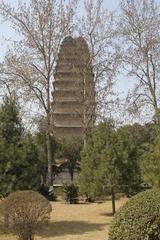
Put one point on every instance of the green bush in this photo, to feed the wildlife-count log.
(138, 219)
(71, 193)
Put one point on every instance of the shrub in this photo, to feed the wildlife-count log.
(47, 192)
(24, 212)
(43, 189)
(71, 193)
(138, 219)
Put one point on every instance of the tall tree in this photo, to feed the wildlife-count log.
(140, 40)
(26, 166)
(19, 161)
(128, 154)
(150, 163)
(109, 161)
(70, 149)
(10, 134)
(11, 128)
(30, 65)
(97, 27)
(40, 141)
(98, 164)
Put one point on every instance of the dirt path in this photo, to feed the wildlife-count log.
(77, 222)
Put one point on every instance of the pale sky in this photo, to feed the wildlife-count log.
(6, 32)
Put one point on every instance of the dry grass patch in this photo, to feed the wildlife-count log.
(77, 222)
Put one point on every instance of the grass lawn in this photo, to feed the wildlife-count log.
(77, 222)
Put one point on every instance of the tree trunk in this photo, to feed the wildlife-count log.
(84, 139)
(48, 138)
(49, 158)
(72, 175)
(26, 236)
(31, 237)
(113, 200)
(157, 115)
(71, 172)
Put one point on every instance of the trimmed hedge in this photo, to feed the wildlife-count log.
(138, 219)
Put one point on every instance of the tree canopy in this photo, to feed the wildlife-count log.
(20, 167)
(109, 162)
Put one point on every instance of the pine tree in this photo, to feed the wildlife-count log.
(109, 162)
(19, 163)
(11, 128)
(99, 163)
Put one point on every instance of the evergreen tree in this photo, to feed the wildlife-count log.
(19, 163)
(11, 128)
(109, 162)
(150, 164)
(98, 164)
(146, 140)
(128, 153)
(70, 148)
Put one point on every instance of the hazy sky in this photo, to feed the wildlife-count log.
(6, 32)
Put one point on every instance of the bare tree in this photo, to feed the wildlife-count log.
(29, 66)
(84, 88)
(97, 27)
(140, 40)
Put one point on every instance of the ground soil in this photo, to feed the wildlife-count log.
(77, 222)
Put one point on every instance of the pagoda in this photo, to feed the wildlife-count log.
(73, 105)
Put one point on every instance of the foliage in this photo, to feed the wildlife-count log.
(142, 134)
(138, 219)
(109, 162)
(150, 164)
(10, 135)
(71, 193)
(127, 149)
(143, 141)
(30, 165)
(20, 167)
(40, 141)
(146, 139)
(25, 212)
(11, 128)
(99, 169)
(90, 162)
(70, 148)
